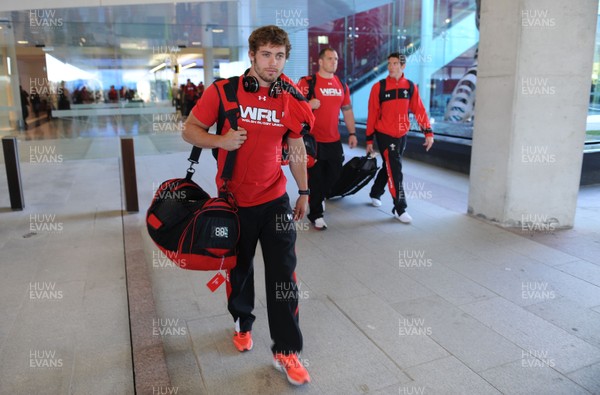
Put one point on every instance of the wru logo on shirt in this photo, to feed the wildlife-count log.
(330, 92)
(261, 116)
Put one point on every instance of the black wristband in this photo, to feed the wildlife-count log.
(303, 191)
(352, 134)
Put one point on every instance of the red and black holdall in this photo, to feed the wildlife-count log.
(192, 229)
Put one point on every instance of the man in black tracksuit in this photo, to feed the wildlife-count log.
(388, 121)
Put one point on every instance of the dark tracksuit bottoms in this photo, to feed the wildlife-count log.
(323, 176)
(391, 171)
(272, 224)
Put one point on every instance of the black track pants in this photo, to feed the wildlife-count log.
(272, 224)
(323, 176)
(391, 149)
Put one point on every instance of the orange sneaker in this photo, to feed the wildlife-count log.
(243, 341)
(292, 367)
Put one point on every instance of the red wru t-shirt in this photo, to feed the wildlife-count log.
(333, 95)
(257, 175)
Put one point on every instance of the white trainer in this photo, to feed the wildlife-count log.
(375, 202)
(405, 218)
(320, 224)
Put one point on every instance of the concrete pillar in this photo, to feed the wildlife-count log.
(533, 85)
(208, 60)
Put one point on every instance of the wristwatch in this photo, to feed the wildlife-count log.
(303, 191)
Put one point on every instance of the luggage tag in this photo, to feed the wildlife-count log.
(215, 282)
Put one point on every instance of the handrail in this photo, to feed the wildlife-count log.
(365, 76)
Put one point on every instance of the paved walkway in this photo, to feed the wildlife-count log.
(447, 305)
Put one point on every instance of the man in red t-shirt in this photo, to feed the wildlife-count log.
(327, 95)
(388, 121)
(258, 185)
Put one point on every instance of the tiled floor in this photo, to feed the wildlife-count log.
(447, 305)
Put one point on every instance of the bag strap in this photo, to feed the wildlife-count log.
(193, 159)
(229, 110)
(312, 81)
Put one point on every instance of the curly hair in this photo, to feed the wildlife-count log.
(272, 35)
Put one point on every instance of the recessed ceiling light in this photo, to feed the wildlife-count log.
(22, 42)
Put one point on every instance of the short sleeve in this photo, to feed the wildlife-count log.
(206, 109)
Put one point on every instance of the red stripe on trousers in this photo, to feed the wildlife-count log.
(390, 178)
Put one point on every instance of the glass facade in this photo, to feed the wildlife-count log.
(119, 69)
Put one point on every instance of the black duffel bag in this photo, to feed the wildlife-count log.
(192, 229)
(356, 173)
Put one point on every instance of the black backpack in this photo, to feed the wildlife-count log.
(396, 93)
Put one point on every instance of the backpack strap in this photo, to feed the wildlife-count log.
(229, 110)
(312, 81)
(396, 93)
(342, 83)
(345, 87)
(381, 91)
(411, 89)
